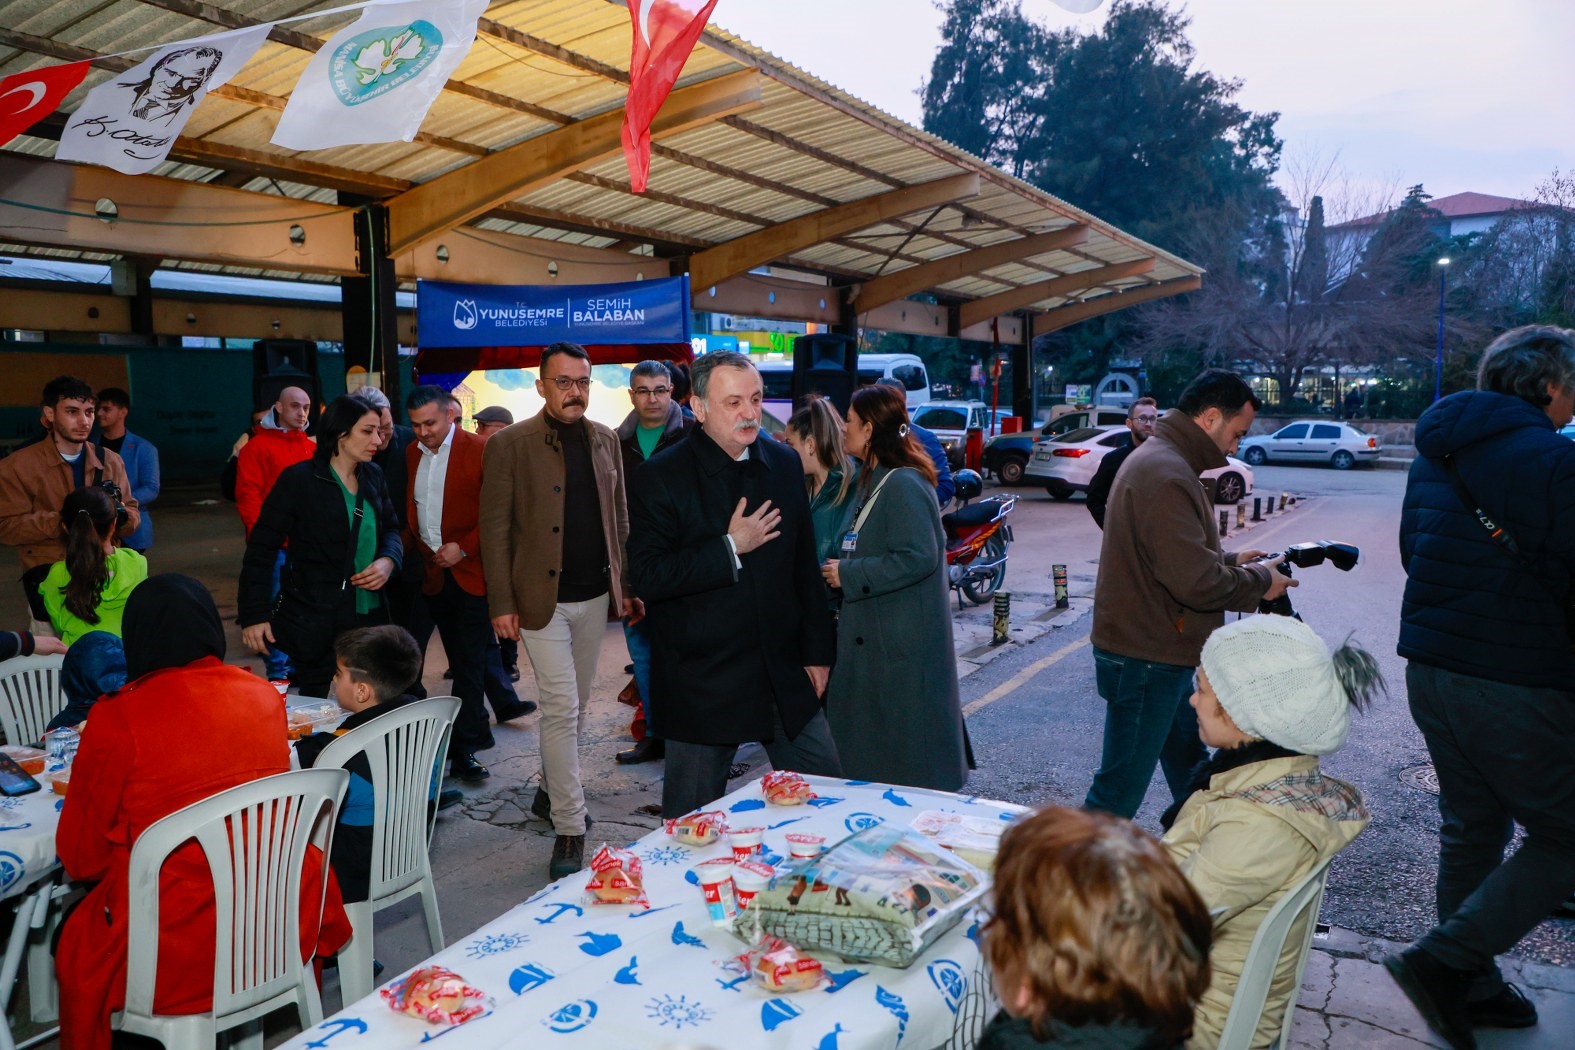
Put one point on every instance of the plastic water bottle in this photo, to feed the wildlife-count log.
(61, 747)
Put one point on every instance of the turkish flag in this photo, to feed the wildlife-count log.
(27, 98)
(665, 32)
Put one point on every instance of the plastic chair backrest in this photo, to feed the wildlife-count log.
(255, 837)
(30, 695)
(405, 750)
(1263, 958)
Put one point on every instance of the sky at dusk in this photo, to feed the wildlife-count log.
(1455, 94)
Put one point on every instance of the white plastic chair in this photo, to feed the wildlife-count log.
(405, 750)
(30, 695)
(1263, 958)
(255, 837)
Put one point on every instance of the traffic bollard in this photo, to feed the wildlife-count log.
(1241, 514)
(1003, 607)
(1058, 573)
(1283, 498)
(1257, 508)
(1224, 523)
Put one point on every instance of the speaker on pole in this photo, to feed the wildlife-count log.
(827, 364)
(280, 363)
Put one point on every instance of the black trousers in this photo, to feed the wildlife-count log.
(466, 629)
(308, 634)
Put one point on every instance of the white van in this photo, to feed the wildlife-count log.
(907, 369)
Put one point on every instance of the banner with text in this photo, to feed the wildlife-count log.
(482, 315)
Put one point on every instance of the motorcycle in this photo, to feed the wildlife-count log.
(976, 539)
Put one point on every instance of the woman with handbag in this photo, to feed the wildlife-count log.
(333, 516)
(892, 702)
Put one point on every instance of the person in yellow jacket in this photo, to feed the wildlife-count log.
(88, 590)
(1262, 815)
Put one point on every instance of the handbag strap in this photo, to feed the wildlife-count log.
(864, 508)
(1499, 534)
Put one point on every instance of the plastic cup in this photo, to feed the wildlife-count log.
(716, 884)
(749, 878)
(802, 846)
(745, 841)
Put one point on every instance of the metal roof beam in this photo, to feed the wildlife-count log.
(983, 309)
(460, 195)
(904, 283)
(745, 253)
(1062, 316)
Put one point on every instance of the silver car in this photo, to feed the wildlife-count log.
(1340, 445)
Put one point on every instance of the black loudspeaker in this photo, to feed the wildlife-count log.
(278, 363)
(828, 365)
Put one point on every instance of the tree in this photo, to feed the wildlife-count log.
(1523, 270)
(1119, 123)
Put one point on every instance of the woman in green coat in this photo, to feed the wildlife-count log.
(815, 433)
(892, 702)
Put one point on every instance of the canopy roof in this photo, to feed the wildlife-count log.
(757, 163)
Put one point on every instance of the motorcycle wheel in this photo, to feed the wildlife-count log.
(981, 590)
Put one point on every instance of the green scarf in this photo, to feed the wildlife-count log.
(365, 546)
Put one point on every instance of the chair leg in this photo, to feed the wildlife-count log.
(430, 907)
(193, 1032)
(43, 990)
(355, 958)
(248, 1036)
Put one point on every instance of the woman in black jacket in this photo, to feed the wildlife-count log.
(334, 513)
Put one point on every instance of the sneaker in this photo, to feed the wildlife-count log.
(1508, 1009)
(568, 856)
(1438, 992)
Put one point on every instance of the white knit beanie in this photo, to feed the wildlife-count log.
(1276, 679)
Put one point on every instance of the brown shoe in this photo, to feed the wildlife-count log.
(568, 856)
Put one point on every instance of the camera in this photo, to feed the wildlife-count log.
(113, 489)
(1342, 556)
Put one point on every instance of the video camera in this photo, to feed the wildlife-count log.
(121, 514)
(1342, 556)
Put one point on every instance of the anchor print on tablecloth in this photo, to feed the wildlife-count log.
(558, 909)
(335, 1028)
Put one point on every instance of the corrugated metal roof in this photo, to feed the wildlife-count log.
(539, 64)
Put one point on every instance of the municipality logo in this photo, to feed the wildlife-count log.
(465, 314)
(375, 62)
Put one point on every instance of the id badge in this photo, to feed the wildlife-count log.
(850, 542)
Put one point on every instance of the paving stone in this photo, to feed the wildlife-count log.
(509, 814)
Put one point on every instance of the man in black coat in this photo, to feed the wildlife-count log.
(1141, 418)
(722, 552)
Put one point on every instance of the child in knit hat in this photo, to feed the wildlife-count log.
(1271, 698)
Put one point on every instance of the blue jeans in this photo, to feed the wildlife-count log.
(638, 638)
(1148, 722)
(276, 662)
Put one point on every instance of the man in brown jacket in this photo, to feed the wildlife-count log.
(1164, 584)
(35, 481)
(553, 528)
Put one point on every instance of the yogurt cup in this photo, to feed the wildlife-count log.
(749, 878)
(745, 841)
(801, 846)
(716, 884)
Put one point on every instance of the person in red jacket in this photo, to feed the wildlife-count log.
(127, 776)
(279, 440)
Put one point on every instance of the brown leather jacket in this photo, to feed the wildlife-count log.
(1164, 584)
(522, 518)
(34, 483)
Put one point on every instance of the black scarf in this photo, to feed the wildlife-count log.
(170, 621)
(1224, 759)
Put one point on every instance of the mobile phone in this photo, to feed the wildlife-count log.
(14, 780)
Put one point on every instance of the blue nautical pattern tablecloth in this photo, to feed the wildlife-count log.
(27, 839)
(561, 973)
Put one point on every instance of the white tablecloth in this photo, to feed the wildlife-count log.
(27, 839)
(563, 973)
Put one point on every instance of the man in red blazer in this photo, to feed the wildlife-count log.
(442, 515)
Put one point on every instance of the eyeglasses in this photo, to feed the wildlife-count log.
(660, 391)
(565, 383)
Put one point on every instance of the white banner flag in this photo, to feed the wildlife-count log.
(374, 80)
(130, 121)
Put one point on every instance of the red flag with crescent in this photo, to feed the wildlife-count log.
(665, 32)
(27, 98)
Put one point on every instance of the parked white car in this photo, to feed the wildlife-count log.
(1067, 462)
(1340, 445)
(950, 421)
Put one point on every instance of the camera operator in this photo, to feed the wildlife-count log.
(35, 480)
(1164, 585)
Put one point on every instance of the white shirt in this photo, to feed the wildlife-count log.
(431, 476)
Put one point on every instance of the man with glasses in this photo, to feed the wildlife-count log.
(553, 528)
(1141, 418)
(655, 423)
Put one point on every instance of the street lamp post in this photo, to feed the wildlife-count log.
(1438, 361)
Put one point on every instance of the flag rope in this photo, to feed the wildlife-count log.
(275, 22)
